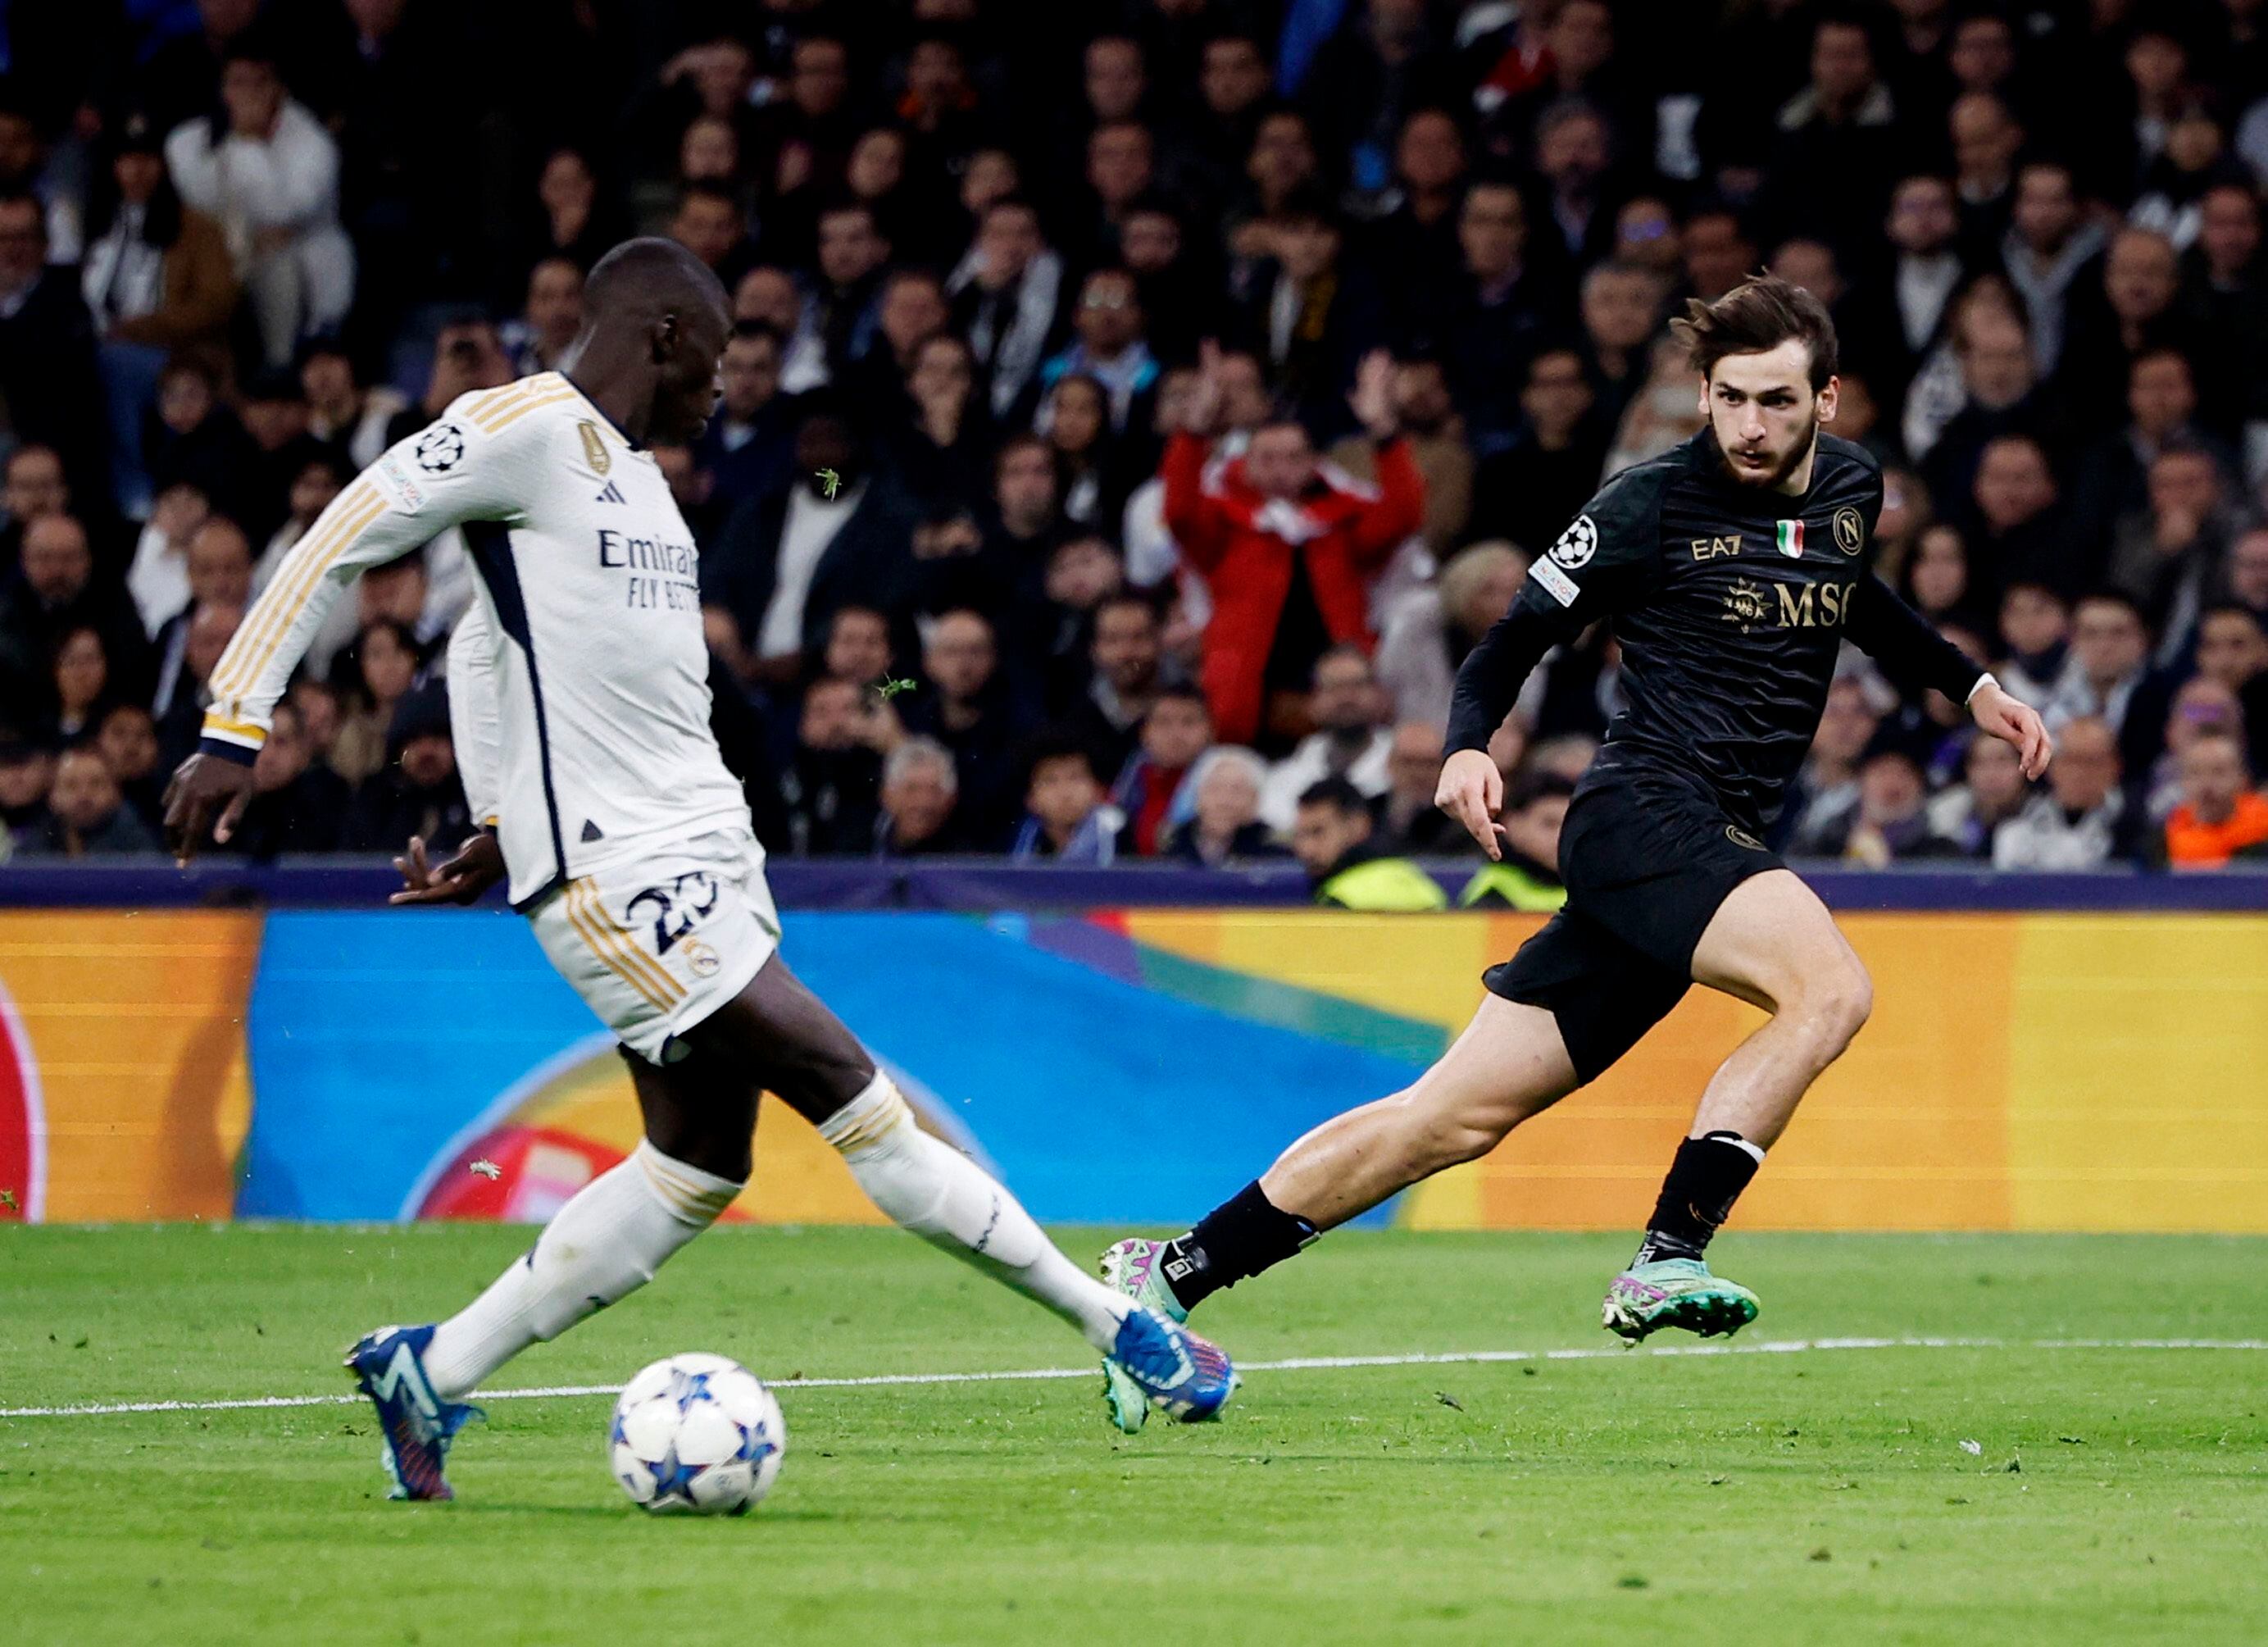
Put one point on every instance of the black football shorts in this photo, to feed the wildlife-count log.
(1648, 860)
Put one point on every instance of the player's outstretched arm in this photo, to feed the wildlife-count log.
(446, 474)
(1914, 655)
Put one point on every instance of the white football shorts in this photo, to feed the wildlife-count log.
(658, 942)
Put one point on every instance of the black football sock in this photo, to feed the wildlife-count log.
(1704, 1180)
(1241, 1237)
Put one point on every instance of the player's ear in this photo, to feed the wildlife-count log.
(663, 337)
(1704, 401)
(1829, 396)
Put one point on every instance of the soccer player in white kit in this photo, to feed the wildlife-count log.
(627, 846)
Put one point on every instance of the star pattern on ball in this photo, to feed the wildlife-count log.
(674, 1478)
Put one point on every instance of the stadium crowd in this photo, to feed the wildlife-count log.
(1137, 407)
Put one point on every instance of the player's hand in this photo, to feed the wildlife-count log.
(477, 865)
(2013, 722)
(1471, 791)
(206, 791)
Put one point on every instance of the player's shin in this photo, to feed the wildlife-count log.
(603, 1245)
(931, 1188)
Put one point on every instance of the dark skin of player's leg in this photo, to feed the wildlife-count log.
(775, 1036)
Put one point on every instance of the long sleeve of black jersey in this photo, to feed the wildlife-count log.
(1602, 564)
(1912, 652)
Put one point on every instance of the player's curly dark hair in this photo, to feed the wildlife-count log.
(1761, 313)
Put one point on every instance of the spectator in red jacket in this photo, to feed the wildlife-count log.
(1288, 547)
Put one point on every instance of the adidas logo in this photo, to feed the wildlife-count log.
(610, 493)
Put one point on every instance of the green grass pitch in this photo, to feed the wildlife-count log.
(1823, 1494)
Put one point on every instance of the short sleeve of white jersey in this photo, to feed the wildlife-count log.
(475, 720)
(469, 464)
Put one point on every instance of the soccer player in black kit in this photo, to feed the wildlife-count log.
(1731, 568)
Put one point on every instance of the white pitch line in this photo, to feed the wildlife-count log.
(1298, 1364)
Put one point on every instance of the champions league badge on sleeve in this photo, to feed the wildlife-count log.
(1576, 544)
(440, 448)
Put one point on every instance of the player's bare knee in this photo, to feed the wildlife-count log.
(1835, 1006)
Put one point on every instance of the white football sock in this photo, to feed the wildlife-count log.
(928, 1187)
(601, 1246)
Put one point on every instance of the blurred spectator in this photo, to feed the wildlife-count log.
(49, 379)
(845, 299)
(1408, 820)
(2222, 816)
(2048, 245)
(1008, 292)
(1894, 317)
(1332, 838)
(207, 630)
(417, 790)
(1065, 819)
(466, 356)
(265, 169)
(2166, 555)
(1815, 820)
(81, 684)
(1992, 790)
(1485, 320)
(859, 647)
(2035, 633)
(920, 789)
(28, 772)
(1621, 311)
(1430, 630)
(2019, 534)
(1149, 790)
(219, 574)
(1126, 658)
(830, 783)
(1076, 421)
(836, 532)
(31, 485)
(1527, 876)
(2231, 650)
(1108, 347)
(1935, 580)
(1531, 488)
(749, 449)
(157, 278)
(965, 705)
(87, 817)
(1284, 551)
(1350, 739)
(1436, 435)
(384, 665)
(536, 339)
(56, 593)
(127, 740)
(1890, 822)
(340, 409)
(2083, 822)
(2107, 677)
(298, 804)
(944, 446)
(1223, 826)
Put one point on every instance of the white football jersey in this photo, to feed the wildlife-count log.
(590, 628)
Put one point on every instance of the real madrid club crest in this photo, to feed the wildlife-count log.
(1850, 530)
(594, 448)
(1745, 604)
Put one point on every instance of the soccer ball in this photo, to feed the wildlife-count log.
(696, 1434)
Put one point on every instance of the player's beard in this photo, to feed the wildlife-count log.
(1772, 480)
